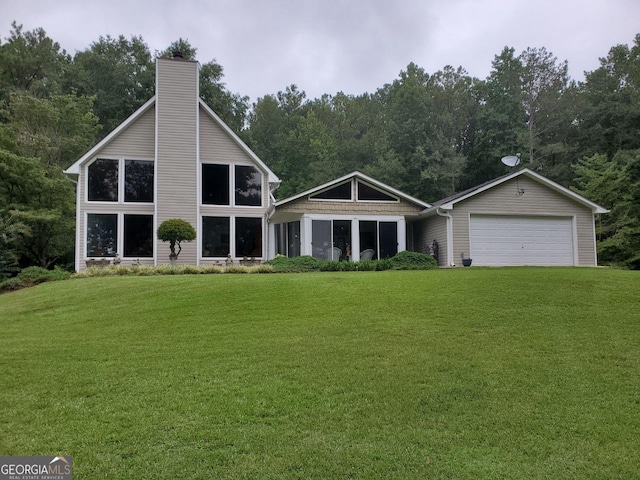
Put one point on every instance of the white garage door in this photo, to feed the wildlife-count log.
(515, 240)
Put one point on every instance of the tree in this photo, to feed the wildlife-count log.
(31, 62)
(41, 199)
(609, 120)
(175, 231)
(119, 73)
(614, 184)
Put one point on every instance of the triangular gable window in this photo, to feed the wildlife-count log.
(370, 194)
(339, 192)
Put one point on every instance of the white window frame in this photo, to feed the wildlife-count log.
(121, 172)
(120, 235)
(232, 186)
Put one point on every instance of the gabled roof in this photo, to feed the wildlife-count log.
(449, 202)
(273, 178)
(350, 176)
(75, 168)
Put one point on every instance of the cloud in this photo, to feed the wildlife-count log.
(341, 45)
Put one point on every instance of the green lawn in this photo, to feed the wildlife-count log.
(470, 374)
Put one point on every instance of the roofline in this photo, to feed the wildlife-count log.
(75, 168)
(273, 178)
(535, 176)
(355, 174)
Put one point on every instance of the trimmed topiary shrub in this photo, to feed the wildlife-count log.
(175, 231)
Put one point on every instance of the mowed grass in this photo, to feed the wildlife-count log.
(474, 373)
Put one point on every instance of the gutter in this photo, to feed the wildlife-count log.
(447, 215)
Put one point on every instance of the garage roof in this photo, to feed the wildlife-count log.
(449, 202)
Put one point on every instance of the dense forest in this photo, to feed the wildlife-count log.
(427, 134)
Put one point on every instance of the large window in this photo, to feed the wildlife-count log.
(248, 186)
(215, 184)
(215, 237)
(138, 236)
(102, 235)
(247, 190)
(138, 181)
(381, 237)
(103, 181)
(248, 237)
(217, 241)
(331, 239)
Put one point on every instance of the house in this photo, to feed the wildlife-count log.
(175, 158)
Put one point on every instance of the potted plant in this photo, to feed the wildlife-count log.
(466, 262)
(175, 231)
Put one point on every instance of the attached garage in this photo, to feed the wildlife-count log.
(521, 218)
(521, 240)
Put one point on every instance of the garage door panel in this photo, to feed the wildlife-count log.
(509, 240)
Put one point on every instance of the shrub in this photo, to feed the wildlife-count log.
(413, 261)
(31, 276)
(175, 231)
(295, 264)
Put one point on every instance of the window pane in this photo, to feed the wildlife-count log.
(215, 236)
(215, 184)
(341, 192)
(388, 239)
(342, 238)
(102, 235)
(248, 186)
(321, 238)
(365, 192)
(138, 236)
(248, 237)
(103, 181)
(138, 181)
(293, 231)
(369, 237)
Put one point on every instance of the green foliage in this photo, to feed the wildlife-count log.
(31, 276)
(614, 184)
(401, 261)
(413, 261)
(175, 231)
(305, 263)
(148, 270)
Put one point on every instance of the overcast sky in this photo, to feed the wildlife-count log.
(328, 46)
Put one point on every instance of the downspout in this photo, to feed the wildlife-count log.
(447, 215)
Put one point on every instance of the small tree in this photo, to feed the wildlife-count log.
(174, 231)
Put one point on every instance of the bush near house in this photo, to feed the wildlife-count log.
(401, 261)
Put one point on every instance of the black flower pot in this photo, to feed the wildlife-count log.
(466, 262)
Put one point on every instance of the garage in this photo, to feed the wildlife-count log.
(521, 240)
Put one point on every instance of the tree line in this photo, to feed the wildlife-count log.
(427, 134)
